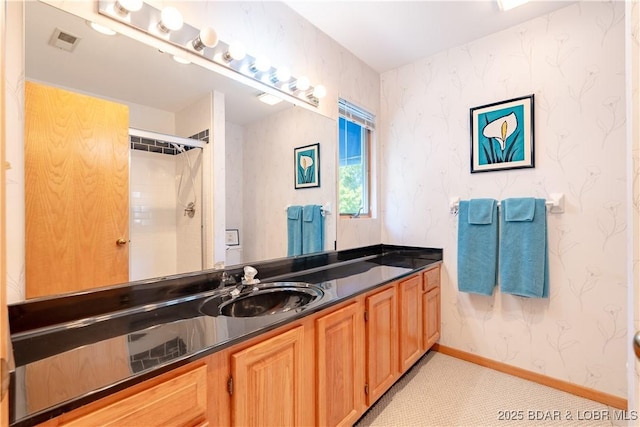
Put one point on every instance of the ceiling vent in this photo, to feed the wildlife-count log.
(63, 40)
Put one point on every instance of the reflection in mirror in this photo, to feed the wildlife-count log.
(175, 99)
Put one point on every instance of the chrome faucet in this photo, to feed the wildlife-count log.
(247, 280)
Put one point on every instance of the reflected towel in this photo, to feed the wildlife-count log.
(312, 229)
(294, 230)
(477, 246)
(524, 258)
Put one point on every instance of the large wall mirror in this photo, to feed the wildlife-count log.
(175, 100)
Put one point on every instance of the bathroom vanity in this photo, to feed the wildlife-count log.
(146, 353)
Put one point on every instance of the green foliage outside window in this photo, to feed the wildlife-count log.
(351, 190)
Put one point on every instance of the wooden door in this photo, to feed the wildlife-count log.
(340, 366)
(268, 382)
(77, 191)
(431, 319)
(410, 291)
(382, 343)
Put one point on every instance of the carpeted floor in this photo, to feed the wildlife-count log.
(444, 391)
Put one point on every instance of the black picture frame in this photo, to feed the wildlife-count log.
(502, 135)
(306, 166)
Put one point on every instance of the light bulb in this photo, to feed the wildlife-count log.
(207, 38)
(282, 75)
(181, 60)
(302, 83)
(261, 64)
(124, 7)
(102, 29)
(320, 91)
(170, 20)
(235, 52)
(505, 5)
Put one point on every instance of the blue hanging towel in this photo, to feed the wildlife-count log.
(477, 246)
(524, 258)
(294, 230)
(312, 229)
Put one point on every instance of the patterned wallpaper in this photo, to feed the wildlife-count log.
(14, 86)
(632, 11)
(268, 179)
(573, 61)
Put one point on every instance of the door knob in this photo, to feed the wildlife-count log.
(121, 242)
(636, 344)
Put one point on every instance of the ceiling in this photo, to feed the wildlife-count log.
(388, 34)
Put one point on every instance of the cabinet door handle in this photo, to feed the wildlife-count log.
(636, 344)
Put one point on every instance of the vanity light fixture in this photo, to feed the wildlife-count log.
(281, 75)
(301, 83)
(319, 92)
(269, 99)
(168, 25)
(102, 29)
(316, 94)
(206, 38)
(170, 20)
(123, 8)
(235, 52)
(181, 60)
(260, 65)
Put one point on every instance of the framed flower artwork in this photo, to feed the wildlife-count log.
(502, 135)
(307, 166)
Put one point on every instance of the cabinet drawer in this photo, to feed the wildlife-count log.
(179, 401)
(431, 279)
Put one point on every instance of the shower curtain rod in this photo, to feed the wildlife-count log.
(167, 138)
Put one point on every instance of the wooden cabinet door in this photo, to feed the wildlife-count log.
(77, 191)
(410, 291)
(382, 342)
(431, 302)
(340, 366)
(268, 382)
(179, 401)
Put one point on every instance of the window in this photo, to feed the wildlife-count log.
(355, 128)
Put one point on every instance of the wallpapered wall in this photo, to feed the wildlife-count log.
(573, 61)
(267, 172)
(632, 35)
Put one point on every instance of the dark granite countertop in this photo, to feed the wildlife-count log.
(156, 325)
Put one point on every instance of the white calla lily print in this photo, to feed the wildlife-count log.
(501, 129)
(306, 173)
(306, 162)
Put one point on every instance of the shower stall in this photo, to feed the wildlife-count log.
(166, 222)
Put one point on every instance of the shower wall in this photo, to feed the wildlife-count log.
(164, 241)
